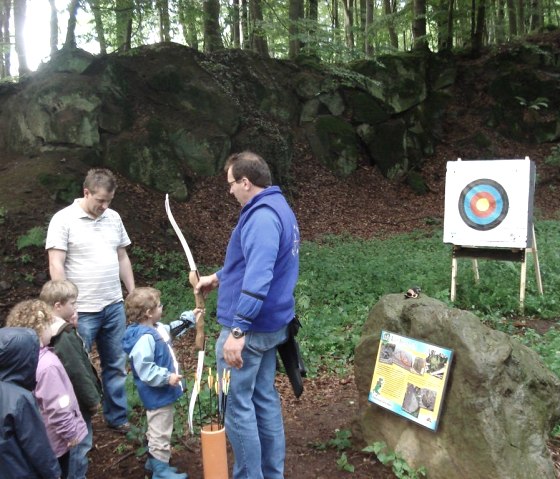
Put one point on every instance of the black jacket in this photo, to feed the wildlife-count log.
(25, 452)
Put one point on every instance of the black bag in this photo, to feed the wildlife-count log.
(291, 358)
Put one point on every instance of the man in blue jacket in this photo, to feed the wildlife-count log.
(255, 304)
(24, 446)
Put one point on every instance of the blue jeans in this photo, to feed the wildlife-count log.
(78, 465)
(254, 423)
(107, 328)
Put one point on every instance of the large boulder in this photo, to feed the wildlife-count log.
(500, 404)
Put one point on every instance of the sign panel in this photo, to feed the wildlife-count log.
(410, 378)
(489, 203)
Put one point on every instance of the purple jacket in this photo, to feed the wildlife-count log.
(57, 403)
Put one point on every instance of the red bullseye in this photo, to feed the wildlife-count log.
(483, 204)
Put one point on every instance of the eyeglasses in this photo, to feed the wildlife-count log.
(231, 183)
(160, 305)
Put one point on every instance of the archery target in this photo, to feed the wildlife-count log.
(483, 204)
(489, 203)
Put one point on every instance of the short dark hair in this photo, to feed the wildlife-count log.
(100, 178)
(251, 166)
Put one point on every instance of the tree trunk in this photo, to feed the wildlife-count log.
(349, 23)
(164, 23)
(5, 38)
(521, 17)
(53, 27)
(480, 25)
(420, 41)
(312, 18)
(70, 41)
(368, 30)
(295, 13)
(500, 21)
(212, 33)
(99, 31)
(187, 18)
(235, 25)
(390, 9)
(512, 19)
(258, 40)
(536, 20)
(20, 7)
(124, 12)
(245, 25)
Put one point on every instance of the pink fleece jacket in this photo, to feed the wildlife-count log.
(58, 403)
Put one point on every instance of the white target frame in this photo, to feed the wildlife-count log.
(504, 188)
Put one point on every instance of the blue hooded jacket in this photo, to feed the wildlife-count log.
(25, 451)
(153, 397)
(260, 272)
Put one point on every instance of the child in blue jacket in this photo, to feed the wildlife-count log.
(24, 446)
(156, 372)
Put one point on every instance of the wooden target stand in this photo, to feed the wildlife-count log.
(517, 255)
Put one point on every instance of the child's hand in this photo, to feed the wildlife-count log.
(174, 379)
(197, 312)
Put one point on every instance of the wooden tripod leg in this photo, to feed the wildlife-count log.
(537, 265)
(453, 278)
(475, 270)
(523, 282)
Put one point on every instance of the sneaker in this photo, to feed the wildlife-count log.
(121, 428)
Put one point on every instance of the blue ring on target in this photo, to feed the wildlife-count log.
(496, 200)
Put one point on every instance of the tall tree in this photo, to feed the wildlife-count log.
(480, 26)
(389, 9)
(295, 13)
(187, 11)
(164, 21)
(99, 28)
(420, 41)
(235, 24)
(212, 32)
(71, 29)
(512, 18)
(53, 27)
(368, 30)
(257, 36)
(124, 13)
(20, 8)
(349, 23)
(5, 64)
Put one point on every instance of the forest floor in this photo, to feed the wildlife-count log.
(365, 204)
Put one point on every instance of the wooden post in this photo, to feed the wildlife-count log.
(499, 254)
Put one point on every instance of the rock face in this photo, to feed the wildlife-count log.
(165, 115)
(500, 405)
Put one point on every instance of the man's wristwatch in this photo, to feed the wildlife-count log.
(237, 333)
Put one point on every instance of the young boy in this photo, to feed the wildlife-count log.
(54, 393)
(156, 372)
(69, 347)
(24, 445)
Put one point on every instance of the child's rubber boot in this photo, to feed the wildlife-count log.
(162, 470)
(148, 465)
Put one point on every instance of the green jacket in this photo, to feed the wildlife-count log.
(70, 349)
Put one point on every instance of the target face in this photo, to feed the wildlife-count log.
(483, 204)
(489, 203)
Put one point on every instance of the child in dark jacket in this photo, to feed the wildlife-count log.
(156, 372)
(54, 392)
(70, 349)
(24, 445)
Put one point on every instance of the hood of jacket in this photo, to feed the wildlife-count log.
(19, 355)
(132, 335)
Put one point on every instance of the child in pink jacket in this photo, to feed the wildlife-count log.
(54, 393)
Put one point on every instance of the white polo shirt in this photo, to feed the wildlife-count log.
(91, 253)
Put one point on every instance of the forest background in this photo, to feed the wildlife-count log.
(333, 31)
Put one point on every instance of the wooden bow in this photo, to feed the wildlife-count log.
(194, 278)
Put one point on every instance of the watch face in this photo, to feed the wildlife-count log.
(237, 333)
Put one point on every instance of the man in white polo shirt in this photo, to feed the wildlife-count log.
(86, 244)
